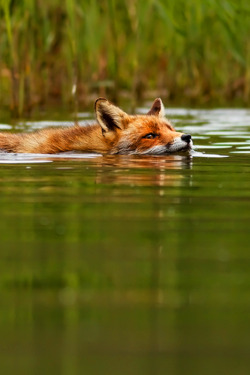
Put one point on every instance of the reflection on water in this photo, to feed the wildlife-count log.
(129, 264)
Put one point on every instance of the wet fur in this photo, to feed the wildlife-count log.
(116, 133)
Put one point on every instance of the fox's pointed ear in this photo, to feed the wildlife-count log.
(157, 108)
(109, 116)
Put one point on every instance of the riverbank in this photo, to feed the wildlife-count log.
(186, 52)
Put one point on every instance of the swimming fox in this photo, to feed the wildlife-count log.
(116, 132)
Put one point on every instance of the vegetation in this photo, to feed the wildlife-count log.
(70, 51)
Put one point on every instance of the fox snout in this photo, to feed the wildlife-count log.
(182, 143)
(186, 138)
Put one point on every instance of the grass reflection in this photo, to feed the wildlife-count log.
(124, 265)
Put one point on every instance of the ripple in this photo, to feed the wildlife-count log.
(211, 147)
(217, 129)
(203, 155)
(199, 137)
(24, 161)
(229, 143)
(5, 126)
(84, 115)
(240, 152)
(45, 124)
(242, 136)
(12, 158)
(229, 134)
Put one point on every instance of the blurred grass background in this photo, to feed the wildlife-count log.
(69, 52)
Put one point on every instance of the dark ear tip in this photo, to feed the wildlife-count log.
(157, 101)
(157, 104)
(98, 100)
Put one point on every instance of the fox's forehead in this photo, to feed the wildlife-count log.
(150, 123)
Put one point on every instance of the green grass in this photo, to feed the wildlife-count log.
(72, 51)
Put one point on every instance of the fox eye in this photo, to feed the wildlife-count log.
(150, 136)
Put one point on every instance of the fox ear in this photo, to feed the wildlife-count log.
(109, 116)
(157, 108)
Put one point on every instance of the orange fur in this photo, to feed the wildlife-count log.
(116, 132)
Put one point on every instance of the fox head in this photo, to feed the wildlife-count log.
(139, 134)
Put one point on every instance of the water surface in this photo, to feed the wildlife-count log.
(129, 264)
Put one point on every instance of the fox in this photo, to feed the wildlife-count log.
(115, 132)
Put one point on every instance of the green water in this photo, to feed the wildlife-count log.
(129, 265)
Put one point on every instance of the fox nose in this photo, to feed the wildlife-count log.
(186, 138)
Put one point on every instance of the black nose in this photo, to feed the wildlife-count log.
(186, 138)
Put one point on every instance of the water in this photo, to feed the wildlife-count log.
(129, 265)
